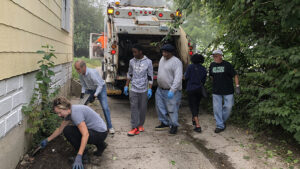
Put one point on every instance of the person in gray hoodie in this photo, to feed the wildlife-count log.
(140, 74)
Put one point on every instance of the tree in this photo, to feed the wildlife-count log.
(88, 19)
(263, 38)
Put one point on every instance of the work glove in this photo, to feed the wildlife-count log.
(170, 95)
(81, 95)
(126, 90)
(237, 90)
(149, 93)
(78, 162)
(44, 143)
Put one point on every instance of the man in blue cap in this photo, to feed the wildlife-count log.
(168, 93)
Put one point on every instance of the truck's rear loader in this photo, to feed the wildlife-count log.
(143, 22)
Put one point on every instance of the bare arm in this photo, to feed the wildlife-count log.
(85, 136)
(236, 80)
(127, 82)
(58, 131)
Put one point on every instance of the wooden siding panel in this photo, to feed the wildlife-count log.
(20, 63)
(37, 8)
(16, 40)
(58, 3)
(25, 25)
(31, 23)
(51, 5)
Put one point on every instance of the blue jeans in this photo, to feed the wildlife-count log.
(222, 112)
(102, 97)
(167, 109)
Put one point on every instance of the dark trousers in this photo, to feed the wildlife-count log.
(73, 135)
(194, 97)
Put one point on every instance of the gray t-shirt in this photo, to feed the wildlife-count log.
(170, 74)
(84, 113)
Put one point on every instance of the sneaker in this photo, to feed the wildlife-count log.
(112, 131)
(162, 126)
(101, 150)
(218, 130)
(141, 128)
(197, 129)
(133, 132)
(173, 130)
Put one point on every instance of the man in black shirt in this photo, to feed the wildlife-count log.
(222, 73)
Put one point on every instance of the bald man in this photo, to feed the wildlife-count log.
(93, 84)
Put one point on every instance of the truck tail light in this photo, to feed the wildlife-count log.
(129, 13)
(117, 13)
(110, 10)
(150, 12)
(190, 48)
(141, 12)
(113, 52)
(160, 15)
(114, 46)
(145, 12)
(117, 3)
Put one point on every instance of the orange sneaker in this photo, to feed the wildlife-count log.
(141, 128)
(133, 132)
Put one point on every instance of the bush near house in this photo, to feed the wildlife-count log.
(41, 117)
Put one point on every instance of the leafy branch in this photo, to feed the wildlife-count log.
(39, 110)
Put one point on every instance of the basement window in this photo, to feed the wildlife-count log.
(65, 15)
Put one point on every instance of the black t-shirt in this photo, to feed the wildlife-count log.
(222, 74)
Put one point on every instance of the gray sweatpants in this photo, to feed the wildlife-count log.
(138, 106)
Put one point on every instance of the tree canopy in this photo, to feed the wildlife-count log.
(262, 39)
(88, 19)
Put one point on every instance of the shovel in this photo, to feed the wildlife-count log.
(84, 99)
(36, 151)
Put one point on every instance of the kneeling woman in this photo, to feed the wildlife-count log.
(88, 128)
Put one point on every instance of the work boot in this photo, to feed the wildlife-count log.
(173, 130)
(218, 130)
(162, 126)
(100, 150)
(133, 132)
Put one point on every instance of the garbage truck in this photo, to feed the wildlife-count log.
(146, 23)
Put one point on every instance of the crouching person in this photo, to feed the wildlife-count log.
(88, 128)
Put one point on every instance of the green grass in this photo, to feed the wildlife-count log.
(90, 63)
